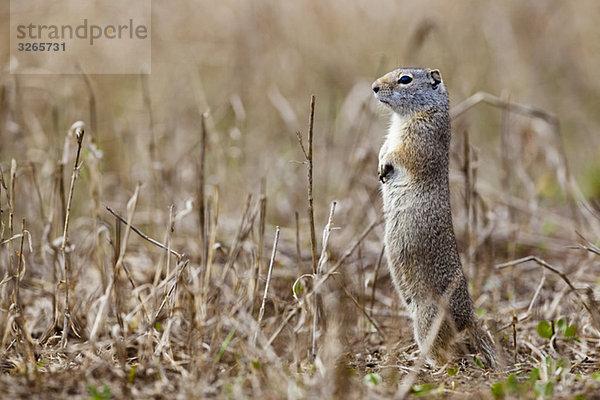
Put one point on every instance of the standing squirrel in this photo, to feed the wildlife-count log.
(419, 237)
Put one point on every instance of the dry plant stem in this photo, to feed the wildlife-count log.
(212, 241)
(142, 235)
(527, 314)
(201, 185)
(139, 297)
(322, 279)
(467, 174)
(308, 155)
(298, 250)
(131, 205)
(326, 233)
(258, 269)
(15, 237)
(92, 104)
(482, 97)
(515, 321)
(536, 294)
(181, 265)
(61, 190)
(169, 233)
(561, 274)
(38, 193)
(375, 275)
(589, 246)
(6, 333)
(347, 254)
(322, 261)
(268, 282)
(283, 324)
(11, 216)
(16, 298)
(506, 177)
(2, 185)
(79, 133)
(148, 105)
(117, 241)
(116, 293)
(469, 171)
(47, 238)
(168, 300)
(15, 309)
(245, 227)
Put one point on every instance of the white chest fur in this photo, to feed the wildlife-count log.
(394, 138)
(396, 131)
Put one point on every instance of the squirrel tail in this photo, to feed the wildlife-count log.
(482, 341)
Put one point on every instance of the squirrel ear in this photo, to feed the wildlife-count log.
(435, 77)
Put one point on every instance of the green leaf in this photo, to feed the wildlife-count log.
(511, 295)
(512, 383)
(478, 362)
(561, 325)
(550, 365)
(544, 329)
(534, 375)
(373, 378)
(422, 390)
(549, 389)
(452, 370)
(498, 390)
(96, 395)
(571, 331)
(298, 288)
(131, 376)
(93, 390)
(256, 364)
(225, 344)
(538, 388)
(563, 366)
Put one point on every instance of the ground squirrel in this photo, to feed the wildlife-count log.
(419, 238)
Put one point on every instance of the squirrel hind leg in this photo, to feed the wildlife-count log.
(438, 346)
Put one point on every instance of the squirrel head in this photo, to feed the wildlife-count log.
(408, 91)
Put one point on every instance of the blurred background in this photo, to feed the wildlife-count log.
(254, 65)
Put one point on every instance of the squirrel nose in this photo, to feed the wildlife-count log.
(376, 87)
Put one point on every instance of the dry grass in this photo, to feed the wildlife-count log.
(202, 157)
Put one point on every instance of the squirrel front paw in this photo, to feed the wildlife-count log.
(385, 170)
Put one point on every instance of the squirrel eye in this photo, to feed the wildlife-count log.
(405, 79)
